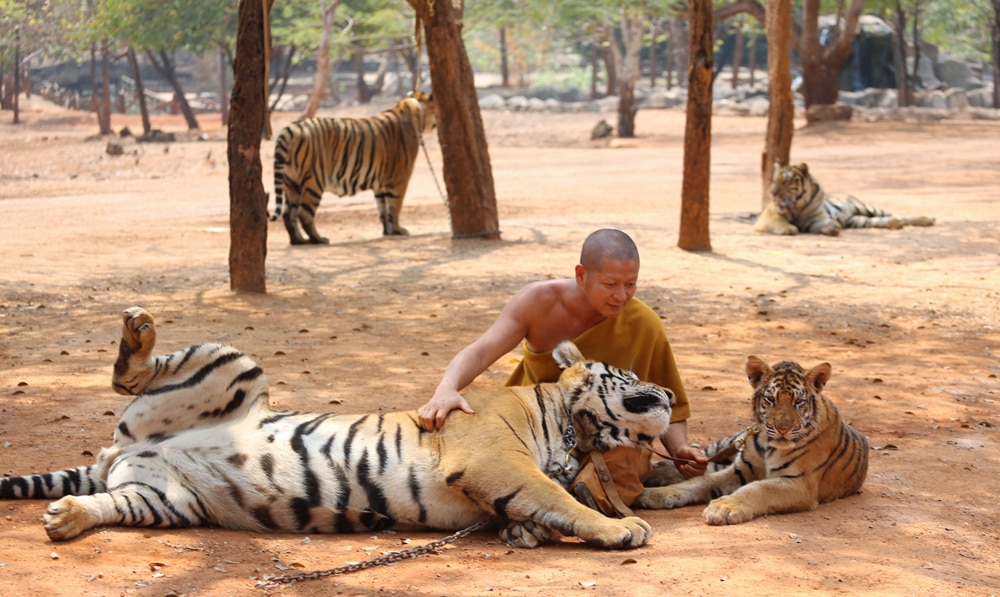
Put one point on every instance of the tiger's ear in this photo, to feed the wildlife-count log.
(776, 170)
(819, 375)
(804, 167)
(566, 354)
(756, 370)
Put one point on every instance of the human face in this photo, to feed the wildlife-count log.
(608, 289)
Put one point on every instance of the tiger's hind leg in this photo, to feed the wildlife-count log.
(389, 205)
(308, 204)
(918, 221)
(144, 491)
(290, 217)
(135, 366)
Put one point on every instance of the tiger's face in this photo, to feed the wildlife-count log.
(610, 407)
(426, 103)
(785, 398)
(791, 188)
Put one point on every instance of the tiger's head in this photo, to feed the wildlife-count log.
(610, 407)
(422, 105)
(786, 398)
(791, 189)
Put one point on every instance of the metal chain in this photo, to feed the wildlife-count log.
(272, 582)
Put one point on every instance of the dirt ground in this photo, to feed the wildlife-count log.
(907, 318)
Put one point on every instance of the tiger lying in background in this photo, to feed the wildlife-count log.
(799, 204)
(200, 445)
(801, 455)
(345, 156)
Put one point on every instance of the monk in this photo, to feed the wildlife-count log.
(598, 311)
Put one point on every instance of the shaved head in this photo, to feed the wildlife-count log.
(606, 244)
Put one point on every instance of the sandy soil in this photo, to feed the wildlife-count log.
(907, 318)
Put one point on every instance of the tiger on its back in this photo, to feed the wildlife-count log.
(199, 445)
(802, 455)
(345, 156)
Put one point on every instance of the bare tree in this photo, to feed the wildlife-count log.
(821, 65)
(322, 61)
(247, 200)
(468, 175)
(694, 234)
(781, 112)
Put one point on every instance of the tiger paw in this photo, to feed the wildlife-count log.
(525, 534)
(661, 498)
(623, 533)
(727, 510)
(67, 518)
(138, 331)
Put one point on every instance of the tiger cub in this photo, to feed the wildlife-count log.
(799, 204)
(199, 445)
(803, 454)
(345, 156)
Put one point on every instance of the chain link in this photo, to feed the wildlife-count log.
(272, 582)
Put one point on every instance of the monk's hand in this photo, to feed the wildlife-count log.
(433, 414)
(697, 465)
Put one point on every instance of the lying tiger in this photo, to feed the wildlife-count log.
(346, 156)
(799, 204)
(798, 454)
(200, 445)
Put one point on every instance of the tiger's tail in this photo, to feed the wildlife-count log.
(82, 480)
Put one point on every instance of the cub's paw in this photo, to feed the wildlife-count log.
(624, 533)
(67, 518)
(526, 534)
(728, 510)
(138, 330)
(894, 223)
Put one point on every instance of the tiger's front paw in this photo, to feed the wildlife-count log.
(525, 534)
(67, 518)
(728, 510)
(661, 498)
(621, 533)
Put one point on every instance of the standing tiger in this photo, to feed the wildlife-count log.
(345, 156)
(200, 445)
(799, 204)
(798, 454)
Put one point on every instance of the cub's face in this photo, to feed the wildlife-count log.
(611, 407)
(785, 398)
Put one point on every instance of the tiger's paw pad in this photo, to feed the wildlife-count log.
(138, 330)
(525, 534)
(67, 518)
(727, 510)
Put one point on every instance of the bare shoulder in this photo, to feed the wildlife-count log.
(543, 293)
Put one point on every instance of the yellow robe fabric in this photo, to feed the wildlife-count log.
(634, 340)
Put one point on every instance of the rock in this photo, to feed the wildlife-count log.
(601, 130)
(825, 112)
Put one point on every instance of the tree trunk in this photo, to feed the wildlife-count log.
(916, 40)
(322, 62)
(247, 200)
(607, 56)
(679, 42)
(280, 80)
(364, 94)
(628, 67)
(468, 176)
(595, 73)
(780, 114)
(223, 87)
(694, 234)
(652, 55)
(996, 54)
(899, 57)
(169, 74)
(752, 66)
(821, 65)
(738, 44)
(104, 105)
(17, 76)
(140, 91)
(504, 68)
